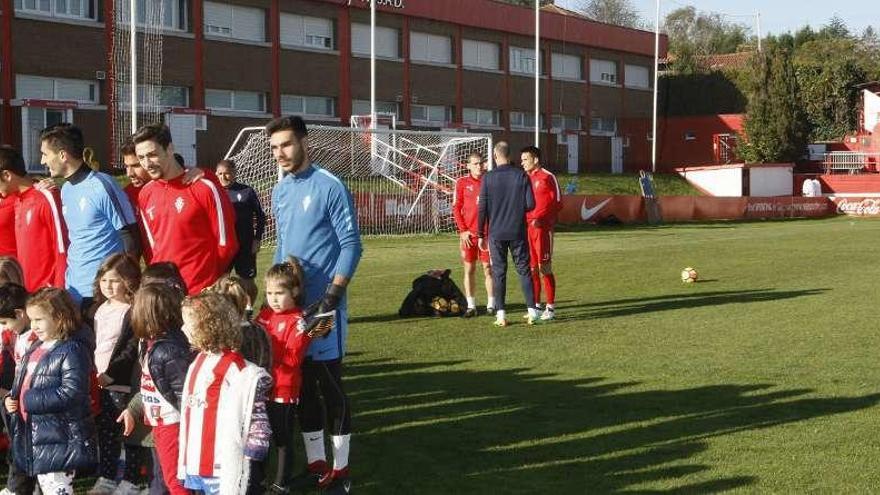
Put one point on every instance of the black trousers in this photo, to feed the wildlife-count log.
(323, 379)
(519, 250)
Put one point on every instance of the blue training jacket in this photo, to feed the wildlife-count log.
(505, 197)
(317, 223)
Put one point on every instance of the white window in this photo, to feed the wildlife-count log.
(244, 101)
(480, 117)
(312, 32)
(480, 54)
(523, 120)
(47, 88)
(33, 121)
(362, 107)
(76, 9)
(566, 66)
(308, 105)
(387, 41)
(522, 60)
(603, 71)
(603, 126)
(170, 14)
(564, 122)
(433, 114)
(235, 21)
(158, 96)
(424, 47)
(637, 76)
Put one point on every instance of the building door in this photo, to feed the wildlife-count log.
(33, 121)
(573, 157)
(183, 135)
(616, 155)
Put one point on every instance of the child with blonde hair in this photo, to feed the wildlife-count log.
(224, 427)
(255, 346)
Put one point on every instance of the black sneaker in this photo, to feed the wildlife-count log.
(339, 486)
(470, 313)
(305, 481)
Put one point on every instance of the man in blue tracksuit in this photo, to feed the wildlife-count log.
(317, 223)
(505, 197)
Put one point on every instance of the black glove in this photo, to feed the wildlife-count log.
(324, 309)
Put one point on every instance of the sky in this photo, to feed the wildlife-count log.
(777, 16)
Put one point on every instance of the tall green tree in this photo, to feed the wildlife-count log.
(776, 127)
(693, 34)
(617, 12)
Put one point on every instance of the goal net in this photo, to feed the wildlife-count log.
(402, 182)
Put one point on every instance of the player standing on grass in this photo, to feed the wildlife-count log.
(540, 221)
(505, 197)
(317, 223)
(465, 210)
(191, 225)
(100, 220)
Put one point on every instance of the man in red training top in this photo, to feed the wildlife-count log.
(540, 221)
(191, 225)
(465, 209)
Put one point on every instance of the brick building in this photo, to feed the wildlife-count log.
(442, 64)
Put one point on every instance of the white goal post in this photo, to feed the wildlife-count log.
(402, 181)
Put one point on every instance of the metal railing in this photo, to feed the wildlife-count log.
(850, 161)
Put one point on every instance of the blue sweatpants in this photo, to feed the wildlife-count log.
(519, 250)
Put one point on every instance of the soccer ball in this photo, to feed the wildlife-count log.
(689, 275)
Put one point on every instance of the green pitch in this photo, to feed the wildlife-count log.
(762, 377)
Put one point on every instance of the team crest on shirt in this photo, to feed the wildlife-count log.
(239, 196)
(300, 326)
(179, 203)
(281, 326)
(470, 188)
(82, 204)
(306, 202)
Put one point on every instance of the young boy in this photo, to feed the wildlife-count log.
(15, 339)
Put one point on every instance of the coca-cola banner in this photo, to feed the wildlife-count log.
(862, 207)
(631, 209)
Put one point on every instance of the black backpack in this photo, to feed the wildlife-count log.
(433, 294)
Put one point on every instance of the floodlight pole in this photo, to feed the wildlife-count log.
(372, 64)
(537, 71)
(132, 41)
(656, 79)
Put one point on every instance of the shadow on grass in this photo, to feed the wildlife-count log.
(667, 302)
(436, 428)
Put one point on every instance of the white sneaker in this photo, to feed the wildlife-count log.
(127, 488)
(103, 487)
(6, 491)
(548, 314)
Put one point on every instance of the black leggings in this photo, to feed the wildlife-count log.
(110, 441)
(324, 379)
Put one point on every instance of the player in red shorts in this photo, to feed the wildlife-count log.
(541, 221)
(465, 209)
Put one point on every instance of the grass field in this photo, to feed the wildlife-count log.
(763, 377)
(664, 184)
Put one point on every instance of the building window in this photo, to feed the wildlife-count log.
(566, 123)
(362, 107)
(431, 114)
(637, 76)
(47, 88)
(311, 32)
(308, 105)
(480, 117)
(522, 60)
(603, 126)
(603, 71)
(170, 14)
(690, 136)
(524, 120)
(72, 9)
(235, 22)
(566, 66)
(424, 47)
(158, 96)
(480, 54)
(387, 41)
(243, 101)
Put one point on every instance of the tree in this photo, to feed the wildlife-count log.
(617, 12)
(776, 127)
(693, 34)
(529, 3)
(835, 29)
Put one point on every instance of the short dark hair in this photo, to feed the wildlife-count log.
(230, 164)
(64, 137)
(12, 297)
(153, 132)
(164, 272)
(11, 160)
(293, 123)
(127, 149)
(532, 150)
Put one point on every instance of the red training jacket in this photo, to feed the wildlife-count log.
(133, 193)
(465, 206)
(191, 225)
(42, 238)
(7, 225)
(548, 198)
(290, 342)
